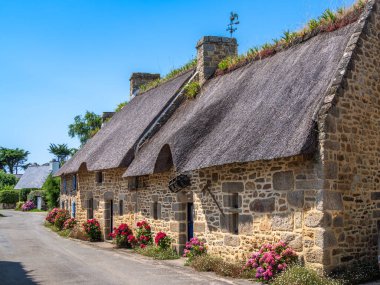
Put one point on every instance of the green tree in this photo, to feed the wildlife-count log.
(52, 188)
(7, 179)
(13, 159)
(85, 127)
(61, 151)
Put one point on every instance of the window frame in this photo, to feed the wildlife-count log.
(99, 177)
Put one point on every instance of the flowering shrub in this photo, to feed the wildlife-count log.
(92, 229)
(29, 205)
(162, 240)
(123, 236)
(61, 218)
(270, 260)
(51, 215)
(69, 223)
(144, 234)
(193, 248)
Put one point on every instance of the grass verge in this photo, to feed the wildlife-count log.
(157, 253)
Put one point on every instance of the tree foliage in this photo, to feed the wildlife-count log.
(52, 188)
(61, 151)
(13, 159)
(85, 127)
(7, 179)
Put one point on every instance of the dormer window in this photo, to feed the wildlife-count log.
(99, 177)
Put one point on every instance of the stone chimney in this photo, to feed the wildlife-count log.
(211, 51)
(138, 79)
(54, 166)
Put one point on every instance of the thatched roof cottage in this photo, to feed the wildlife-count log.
(282, 144)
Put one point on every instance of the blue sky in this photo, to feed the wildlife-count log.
(61, 58)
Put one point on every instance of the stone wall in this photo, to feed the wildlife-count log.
(276, 200)
(349, 147)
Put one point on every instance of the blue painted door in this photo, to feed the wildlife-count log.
(190, 221)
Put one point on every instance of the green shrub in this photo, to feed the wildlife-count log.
(7, 179)
(19, 205)
(157, 252)
(52, 188)
(9, 196)
(299, 275)
(32, 196)
(23, 194)
(358, 273)
(192, 89)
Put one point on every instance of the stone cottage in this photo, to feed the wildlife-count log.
(282, 148)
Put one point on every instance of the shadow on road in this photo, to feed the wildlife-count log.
(12, 273)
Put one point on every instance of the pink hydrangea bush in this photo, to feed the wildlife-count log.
(29, 205)
(69, 223)
(51, 215)
(193, 248)
(270, 260)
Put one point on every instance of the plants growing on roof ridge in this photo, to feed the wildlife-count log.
(173, 73)
(329, 21)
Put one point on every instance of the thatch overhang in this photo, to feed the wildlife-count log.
(113, 146)
(262, 111)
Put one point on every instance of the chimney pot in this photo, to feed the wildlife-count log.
(138, 78)
(212, 50)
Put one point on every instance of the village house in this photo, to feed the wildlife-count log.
(281, 148)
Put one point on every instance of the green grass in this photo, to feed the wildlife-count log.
(300, 275)
(173, 73)
(192, 89)
(157, 253)
(38, 211)
(329, 21)
(209, 263)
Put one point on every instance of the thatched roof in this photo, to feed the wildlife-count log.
(262, 111)
(34, 177)
(113, 145)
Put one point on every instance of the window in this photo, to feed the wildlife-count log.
(90, 208)
(121, 207)
(74, 182)
(133, 183)
(235, 200)
(99, 177)
(64, 185)
(73, 209)
(155, 210)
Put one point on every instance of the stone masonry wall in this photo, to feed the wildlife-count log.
(350, 149)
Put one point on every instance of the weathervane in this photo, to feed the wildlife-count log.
(233, 21)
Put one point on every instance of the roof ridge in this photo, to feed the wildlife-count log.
(269, 50)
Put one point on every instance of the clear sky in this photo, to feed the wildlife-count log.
(59, 58)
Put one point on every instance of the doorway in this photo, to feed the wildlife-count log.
(190, 221)
(108, 218)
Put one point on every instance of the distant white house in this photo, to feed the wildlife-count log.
(35, 177)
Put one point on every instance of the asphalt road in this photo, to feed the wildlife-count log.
(32, 254)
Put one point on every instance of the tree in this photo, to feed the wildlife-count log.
(52, 188)
(13, 158)
(61, 151)
(7, 180)
(85, 127)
